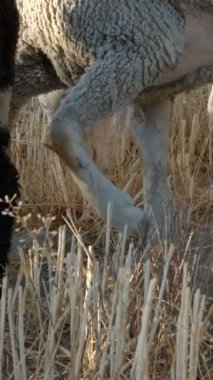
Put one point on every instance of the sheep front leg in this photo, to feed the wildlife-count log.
(150, 128)
(106, 87)
(98, 190)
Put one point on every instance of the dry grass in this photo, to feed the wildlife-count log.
(86, 307)
(79, 316)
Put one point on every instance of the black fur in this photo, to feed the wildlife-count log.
(9, 26)
(8, 186)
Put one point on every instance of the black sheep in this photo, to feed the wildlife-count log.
(9, 26)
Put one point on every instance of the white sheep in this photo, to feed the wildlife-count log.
(115, 54)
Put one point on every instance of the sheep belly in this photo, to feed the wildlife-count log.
(198, 52)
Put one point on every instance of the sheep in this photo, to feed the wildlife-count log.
(8, 173)
(113, 55)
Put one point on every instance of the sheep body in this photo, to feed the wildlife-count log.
(73, 34)
(45, 28)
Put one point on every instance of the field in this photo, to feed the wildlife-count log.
(83, 302)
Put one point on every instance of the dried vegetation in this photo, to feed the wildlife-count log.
(84, 302)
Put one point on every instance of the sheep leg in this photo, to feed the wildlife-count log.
(103, 90)
(98, 190)
(35, 77)
(150, 128)
(32, 79)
